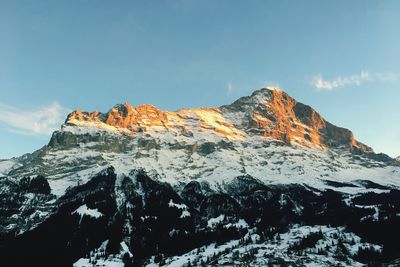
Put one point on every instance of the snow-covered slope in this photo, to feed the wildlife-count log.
(6, 166)
(216, 161)
(256, 250)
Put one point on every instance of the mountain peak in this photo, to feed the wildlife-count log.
(257, 98)
(267, 113)
(125, 107)
(272, 113)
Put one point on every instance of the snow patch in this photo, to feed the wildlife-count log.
(215, 221)
(240, 224)
(125, 249)
(185, 213)
(85, 211)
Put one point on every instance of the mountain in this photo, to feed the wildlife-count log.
(269, 113)
(264, 180)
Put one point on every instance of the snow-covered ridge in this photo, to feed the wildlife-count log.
(184, 121)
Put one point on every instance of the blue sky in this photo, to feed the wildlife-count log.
(341, 57)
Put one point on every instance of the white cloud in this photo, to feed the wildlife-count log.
(321, 84)
(42, 121)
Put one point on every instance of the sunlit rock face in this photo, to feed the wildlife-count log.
(269, 113)
(272, 113)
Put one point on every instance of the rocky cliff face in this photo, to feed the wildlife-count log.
(270, 113)
(122, 116)
(274, 114)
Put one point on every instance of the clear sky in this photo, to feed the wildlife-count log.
(341, 57)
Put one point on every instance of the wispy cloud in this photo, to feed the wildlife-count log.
(229, 89)
(321, 84)
(270, 83)
(42, 121)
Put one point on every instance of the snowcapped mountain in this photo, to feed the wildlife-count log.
(207, 144)
(260, 166)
